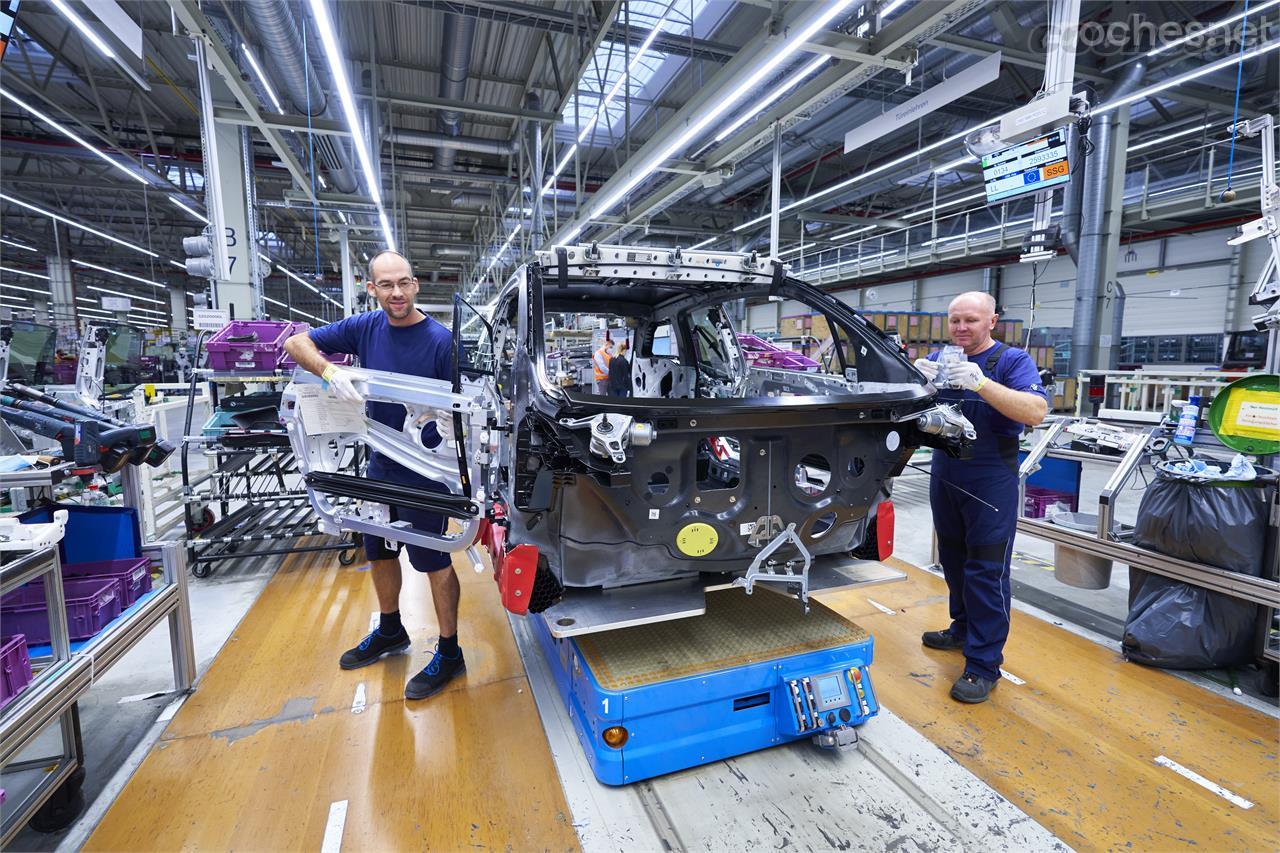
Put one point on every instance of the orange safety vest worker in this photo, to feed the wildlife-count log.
(600, 361)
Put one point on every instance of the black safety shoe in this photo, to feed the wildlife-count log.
(373, 647)
(972, 689)
(435, 675)
(944, 640)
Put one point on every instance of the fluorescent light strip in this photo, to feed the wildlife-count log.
(23, 246)
(57, 217)
(706, 242)
(86, 299)
(1219, 25)
(843, 234)
(262, 78)
(164, 314)
(603, 107)
(203, 219)
(1143, 94)
(780, 90)
(793, 44)
(943, 204)
(179, 264)
(97, 289)
(85, 30)
(891, 7)
(19, 299)
(956, 164)
(25, 289)
(291, 308)
(337, 66)
(144, 321)
(136, 278)
(1167, 137)
(72, 135)
(869, 173)
(24, 272)
(97, 311)
(302, 281)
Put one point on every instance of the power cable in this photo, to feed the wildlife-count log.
(1235, 113)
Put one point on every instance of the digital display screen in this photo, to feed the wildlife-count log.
(829, 688)
(1028, 167)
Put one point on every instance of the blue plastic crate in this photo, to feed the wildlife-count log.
(93, 532)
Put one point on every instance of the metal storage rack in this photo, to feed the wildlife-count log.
(68, 672)
(257, 488)
(1102, 543)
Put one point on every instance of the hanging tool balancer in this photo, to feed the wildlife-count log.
(88, 438)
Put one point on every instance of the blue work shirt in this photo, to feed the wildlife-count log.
(996, 450)
(424, 349)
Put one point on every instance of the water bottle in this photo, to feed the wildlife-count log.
(1185, 434)
(95, 496)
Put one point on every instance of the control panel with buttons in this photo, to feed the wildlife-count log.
(827, 700)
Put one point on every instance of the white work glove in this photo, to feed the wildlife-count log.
(340, 382)
(928, 368)
(966, 375)
(444, 425)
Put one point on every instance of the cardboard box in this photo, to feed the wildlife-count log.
(938, 327)
(819, 327)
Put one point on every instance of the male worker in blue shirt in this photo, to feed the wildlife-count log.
(975, 500)
(397, 339)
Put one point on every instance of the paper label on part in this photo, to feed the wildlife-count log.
(1253, 413)
(323, 413)
(209, 318)
(746, 527)
(654, 514)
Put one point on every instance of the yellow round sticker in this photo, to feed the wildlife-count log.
(697, 539)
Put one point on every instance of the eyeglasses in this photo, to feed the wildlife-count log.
(405, 284)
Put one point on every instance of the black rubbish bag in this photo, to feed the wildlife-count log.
(1175, 625)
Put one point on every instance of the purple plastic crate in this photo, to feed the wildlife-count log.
(762, 353)
(259, 355)
(1038, 500)
(15, 668)
(287, 362)
(91, 604)
(133, 576)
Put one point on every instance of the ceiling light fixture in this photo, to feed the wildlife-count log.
(1201, 32)
(96, 40)
(291, 308)
(179, 264)
(956, 164)
(24, 289)
(302, 281)
(706, 242)
(203, 219)
(1166, 137)
(869, 173)
(57, 217)
(72, 135)
(110, 292)
(24, 272)
(262, 78)
(943, 204)
(794, 42)
(136, 278)
(16, 245)
(1143, 94)
(164, 314)
(781, 89)
(21, 300)
(337, 67)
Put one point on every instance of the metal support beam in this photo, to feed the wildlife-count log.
(857, 50)
(188, 13)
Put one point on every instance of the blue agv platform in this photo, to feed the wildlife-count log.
(753, 671)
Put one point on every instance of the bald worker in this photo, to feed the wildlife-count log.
(975, 500)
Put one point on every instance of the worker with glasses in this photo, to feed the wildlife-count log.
(397, 339)
(975, 499)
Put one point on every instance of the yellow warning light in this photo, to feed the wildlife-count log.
(615, 736)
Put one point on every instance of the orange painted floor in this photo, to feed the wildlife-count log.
(269, 740)
(256, 756)
(1075, 746)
